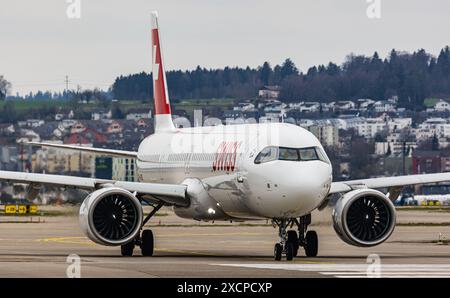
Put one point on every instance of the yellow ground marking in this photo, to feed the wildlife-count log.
(86, 241)
(72, 240)
(186, 252)
(213, 234)
(68, 240)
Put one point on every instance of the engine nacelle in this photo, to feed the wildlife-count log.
(111, 216)
(364, 217)
(202, 206)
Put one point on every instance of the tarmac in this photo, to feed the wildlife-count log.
(40, 246)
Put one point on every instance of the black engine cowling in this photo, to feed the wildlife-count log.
(364, 217)
(111, 216)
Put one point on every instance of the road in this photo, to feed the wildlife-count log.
(187, 249)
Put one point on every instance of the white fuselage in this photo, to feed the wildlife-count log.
(223, 159)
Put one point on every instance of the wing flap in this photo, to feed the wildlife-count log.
(58, 180)
(168, 193)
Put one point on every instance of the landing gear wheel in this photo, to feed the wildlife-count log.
(127, 249)
(147, 243)
(312, 244)
(277, 251)
(292, 237)
(289, 251)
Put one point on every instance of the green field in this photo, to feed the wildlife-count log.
(189, 105)
(23, 105)
(430, 102)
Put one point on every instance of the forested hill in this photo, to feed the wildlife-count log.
(411, 76)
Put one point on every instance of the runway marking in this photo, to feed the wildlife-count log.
(185, 251)
(359, 270)
(85, 240)
(68, 240)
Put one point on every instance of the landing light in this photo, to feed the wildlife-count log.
(211, 211)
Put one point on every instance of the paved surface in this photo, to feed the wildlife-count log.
(186, 249)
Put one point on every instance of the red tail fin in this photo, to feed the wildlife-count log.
(163, 117)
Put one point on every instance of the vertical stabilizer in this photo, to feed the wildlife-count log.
(163, 115)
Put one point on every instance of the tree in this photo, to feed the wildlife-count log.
(4, 87)
(117, 112)
(288, 68)
(410, 76)
(9, 114)
(266, 73)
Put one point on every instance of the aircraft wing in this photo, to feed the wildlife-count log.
(388, 182)
(168, 193)
(99, 151)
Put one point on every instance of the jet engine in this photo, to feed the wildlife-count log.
(364, 217)
(111, 216)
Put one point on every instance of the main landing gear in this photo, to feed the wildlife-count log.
(291, 241)
(144, 240)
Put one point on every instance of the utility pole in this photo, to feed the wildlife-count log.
(22, 166)
(67, 86)
(404, 157)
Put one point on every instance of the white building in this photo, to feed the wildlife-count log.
(244, 107)
(326, 107)
(61, 115)
(442, 106)
(124, 169)
(432, 126)
(395, 148)
(28, 135)
(345, 105)
(384, 106)
(269, 92)
(99, 114)
(371, 126)
(310, 106)
(351, 122)
(305, 123)
(34, 123)
(423, 134)
(328, 134)
(396, 124)
(138, 115)
(364, 103)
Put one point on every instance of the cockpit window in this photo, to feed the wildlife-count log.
(291, 154)
(287, 154)
(308, 154)
(267, 154)
(322, 155)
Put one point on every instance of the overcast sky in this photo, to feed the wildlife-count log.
(40, 44)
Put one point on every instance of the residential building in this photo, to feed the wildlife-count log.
(327, 133)
(101, 114)
(309, 107)
(441, 106)
(269, 92)
(430, 161)
(383, 106)
(137, 114)
(344, 105)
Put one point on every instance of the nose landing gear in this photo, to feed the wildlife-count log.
(290, 241)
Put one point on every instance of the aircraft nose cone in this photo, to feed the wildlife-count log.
(310, 185)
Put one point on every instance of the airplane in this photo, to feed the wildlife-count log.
(274, 171)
